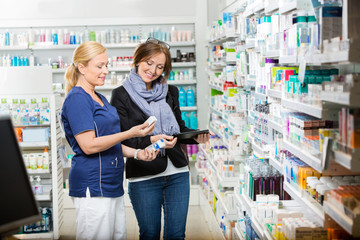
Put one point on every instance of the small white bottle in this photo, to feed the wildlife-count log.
(191, 74)
(157, 145)
(173, 34)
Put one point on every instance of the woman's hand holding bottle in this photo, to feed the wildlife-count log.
(142, 130)
(147, 155)
(170, 141)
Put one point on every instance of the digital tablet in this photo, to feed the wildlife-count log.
(189, 135)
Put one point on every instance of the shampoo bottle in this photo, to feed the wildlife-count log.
(193, 121)
(182, 97)
(190, 96)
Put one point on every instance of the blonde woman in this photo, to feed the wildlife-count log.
(92, 128)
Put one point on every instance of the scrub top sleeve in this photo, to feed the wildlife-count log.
(79, 113)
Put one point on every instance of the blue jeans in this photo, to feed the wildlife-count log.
(149, 197)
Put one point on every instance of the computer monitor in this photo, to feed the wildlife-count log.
(18, 206)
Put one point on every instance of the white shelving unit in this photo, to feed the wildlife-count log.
(306, 201)
(15, 84)
(343, 220)
(347, 99)
(276, 164)
(313, 161)
(274, 93)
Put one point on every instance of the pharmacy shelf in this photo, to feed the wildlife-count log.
(276, 164)
(209, 215)
(302, 107)
(181, 82)
(43, 197)
(346, 98)
(38, 171)
(183, 64)
(216, 87)
(182, 44)
(228, 37)
(53, 47)
(272, 54)
(45, 235)
(58, 70)
(349, 161)
(8, 48)
(213, 110)
(288, 60)
(218, 65)
(306, 201)
(340, 57)
(32, 126)
(34, 144)
(313, 161)
(344, 221)
(238, 234)
(188, 108)
(288, 7)
(274, 125)
(120, 69)
(120, 45)
(217, 193)
(246, 202)
(258, 228)
(274, 93)
(199, 170)
(251, 80)
(272, 7)
(260, 96)
(258, 151)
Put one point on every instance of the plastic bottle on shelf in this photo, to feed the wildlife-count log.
(45, 221)
(45, 160)
(190, 96)
(38, 188)
(191, 74)
(193, 121)
(186, 119)
(31, 179)
(182, 97)
(173, 34)
(39, 161)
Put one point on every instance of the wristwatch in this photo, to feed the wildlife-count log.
(135, 154)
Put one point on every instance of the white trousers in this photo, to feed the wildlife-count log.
(100, 218)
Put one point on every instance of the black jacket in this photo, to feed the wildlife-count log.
(131, 115)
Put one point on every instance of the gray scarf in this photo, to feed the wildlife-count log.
(152, 102)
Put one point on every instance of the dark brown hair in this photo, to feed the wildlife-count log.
(146, 50)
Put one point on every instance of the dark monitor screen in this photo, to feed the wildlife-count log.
(17, 203)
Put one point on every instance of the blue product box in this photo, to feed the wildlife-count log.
(36, 134)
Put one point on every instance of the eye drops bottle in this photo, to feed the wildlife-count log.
(156, 145)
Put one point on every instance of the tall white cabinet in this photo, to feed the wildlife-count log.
(34, 83)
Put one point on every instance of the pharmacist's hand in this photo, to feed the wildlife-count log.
(142, 130)
(203, 138)
(147, 155)
(170, 141)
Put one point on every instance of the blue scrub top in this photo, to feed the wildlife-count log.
(102, 172)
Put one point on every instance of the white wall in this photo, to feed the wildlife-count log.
(44, 12)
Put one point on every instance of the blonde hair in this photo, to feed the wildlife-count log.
(82, 54)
